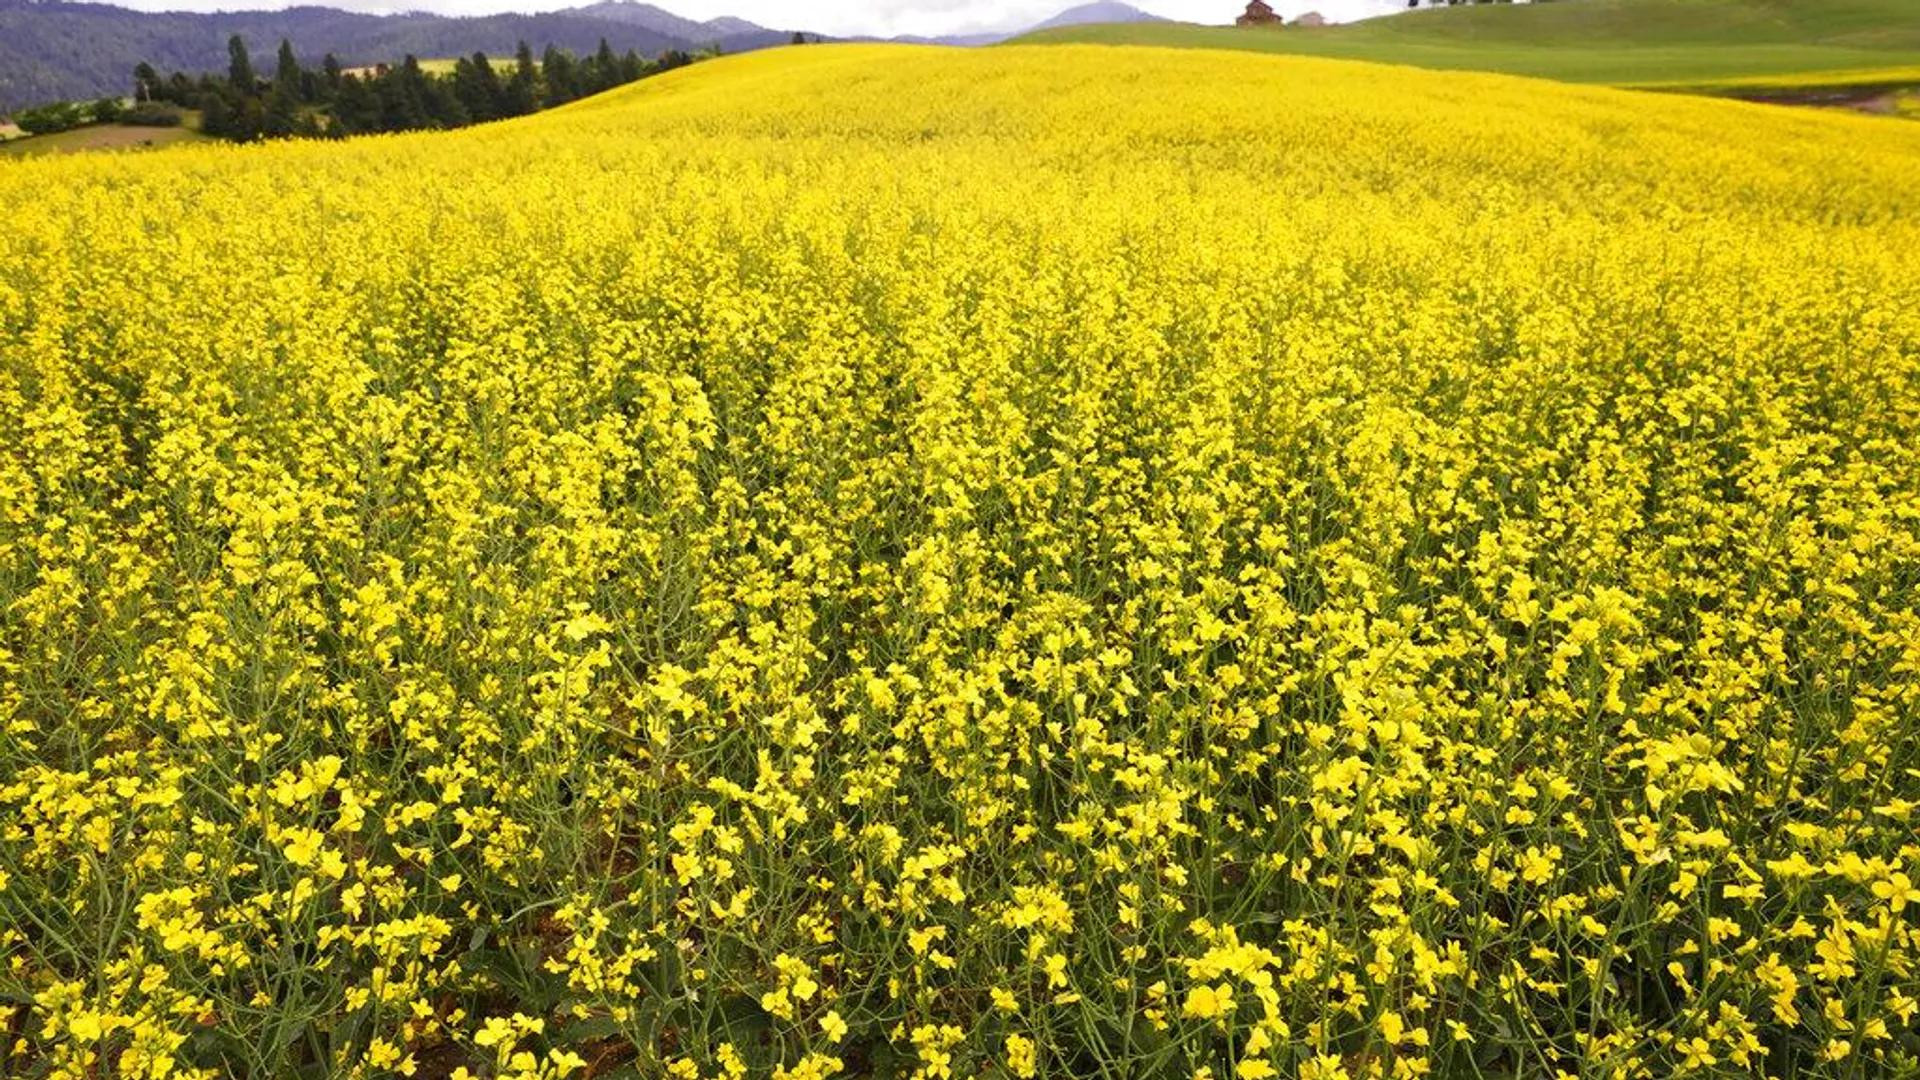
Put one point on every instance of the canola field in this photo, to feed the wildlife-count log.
(1043, 562)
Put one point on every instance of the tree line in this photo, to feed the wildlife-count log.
(332, 101)
(67, 115)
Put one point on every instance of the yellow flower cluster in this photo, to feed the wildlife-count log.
(869, 561)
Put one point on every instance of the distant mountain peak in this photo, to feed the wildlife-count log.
(727, 24)
(1100, 11)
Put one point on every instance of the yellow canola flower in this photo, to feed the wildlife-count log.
(1021, 1056)
(1897, 890)
(1172, 562)
(1208, 1002)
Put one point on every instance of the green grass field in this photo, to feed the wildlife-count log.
(1900, 75)
(100, 137)
(502, 65)
(1605, 41)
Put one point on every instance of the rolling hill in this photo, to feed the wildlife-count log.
(1102, 11)
(1608, 41)
(60, 50)
(1061, 562)
(635, 13)
(1098, 13)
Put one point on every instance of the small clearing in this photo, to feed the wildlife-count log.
(98, 137)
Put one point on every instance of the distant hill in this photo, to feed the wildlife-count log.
(727, 24)
(1103, 11)
(634, 13)
(1614, 41)
(55, 50)
(1100, 12)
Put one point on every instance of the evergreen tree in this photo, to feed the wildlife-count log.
(557, 70)
(478, 88)
(402, 93)
(286, 72)
(523, 87)
(356, 109)
(240, 67)
(146, 82)
(606, 68)
(280, 112)
(216, 118)
(443, 108)
(249, 119)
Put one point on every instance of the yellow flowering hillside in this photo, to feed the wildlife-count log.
(1054, 562)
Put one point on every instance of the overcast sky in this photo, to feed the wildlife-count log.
(883, 18)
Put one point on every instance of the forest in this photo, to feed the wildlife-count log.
(334, 101)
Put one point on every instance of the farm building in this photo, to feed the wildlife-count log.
(1258, 13)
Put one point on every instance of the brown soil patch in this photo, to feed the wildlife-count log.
(1875, 99)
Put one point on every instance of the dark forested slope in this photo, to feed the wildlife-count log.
(53, 50)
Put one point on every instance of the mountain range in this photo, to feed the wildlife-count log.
(58, 50)
(1100, 11)
(53, 50)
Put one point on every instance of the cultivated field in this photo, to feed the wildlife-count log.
(1062, 562)
(1601, 41)
(99, 137)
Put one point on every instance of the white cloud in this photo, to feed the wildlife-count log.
(881, 18)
